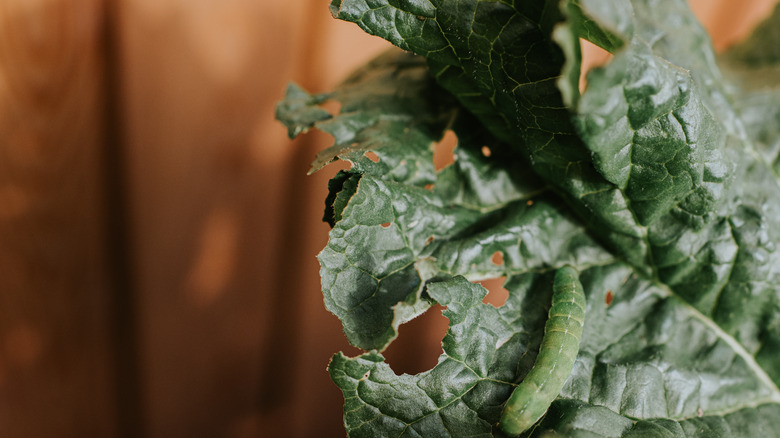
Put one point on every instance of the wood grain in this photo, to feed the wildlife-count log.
(55, 359)
(235, 338)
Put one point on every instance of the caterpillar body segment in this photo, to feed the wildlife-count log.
(557, 353)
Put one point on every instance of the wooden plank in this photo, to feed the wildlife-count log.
(55, 360)
(227, 223)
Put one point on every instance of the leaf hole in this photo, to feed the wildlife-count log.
(418, 345)
(332, 106)
(497, 258)
(497, 293)
(486, 151)
(592, 56)
(372, 156)
(443, 154)
(386, 225)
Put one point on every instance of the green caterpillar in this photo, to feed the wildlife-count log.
(560, 345)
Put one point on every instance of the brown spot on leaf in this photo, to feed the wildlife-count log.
(372, 156)
(443, 154)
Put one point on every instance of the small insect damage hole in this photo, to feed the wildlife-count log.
(372, 156)
(443, 154)
(609, 297)
(497, 293)
(592, 56)
(418, 345)
(486, 151)
(386, 225)
(332, 106)
(497, 258)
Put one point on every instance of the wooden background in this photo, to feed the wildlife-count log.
(157, 231)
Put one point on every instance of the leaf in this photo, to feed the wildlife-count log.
(653, 132)
(722, 262)
(503, 67)
(390, 107)
(659, 183)
(392, 238)
(389, 237)
(665, 143)
(648, 355)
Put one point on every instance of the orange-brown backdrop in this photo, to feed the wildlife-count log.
(157, 231)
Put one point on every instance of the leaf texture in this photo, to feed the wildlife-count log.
(634, 368)
(659, 183)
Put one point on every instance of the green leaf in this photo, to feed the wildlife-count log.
(392, 238)
(660, 128)
(645, 357)
(503, 66)
(390, 107)
(659, 183)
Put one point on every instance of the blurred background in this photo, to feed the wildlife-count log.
(158, 231)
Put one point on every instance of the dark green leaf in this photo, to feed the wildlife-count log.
(648, 355)
(392, 238)
(659, 183)
(391, 107)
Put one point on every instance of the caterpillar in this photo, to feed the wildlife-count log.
(560, 345)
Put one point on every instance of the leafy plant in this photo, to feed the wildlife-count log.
(660, 184)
